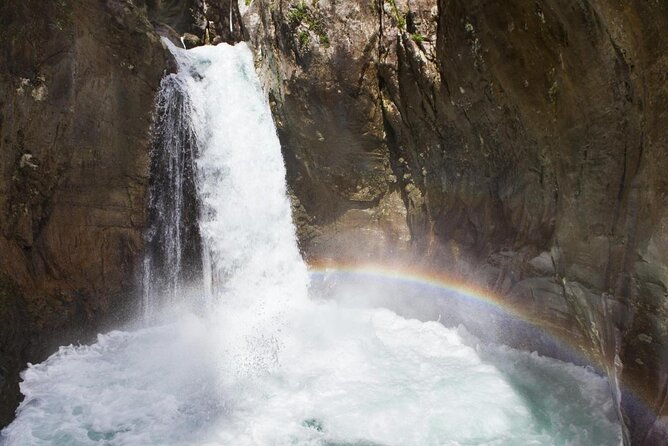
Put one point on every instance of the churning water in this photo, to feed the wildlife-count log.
(256, 362)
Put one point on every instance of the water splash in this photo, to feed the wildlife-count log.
(263, 364)
(173, 252)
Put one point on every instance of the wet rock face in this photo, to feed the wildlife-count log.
(525, 139)
(12, 342)
(181, 16)
(77, 87)
(520, 144)
(319, 61)
(197, 21)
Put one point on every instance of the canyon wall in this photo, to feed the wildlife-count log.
(77, 85)
(521, 145)
(78, 82)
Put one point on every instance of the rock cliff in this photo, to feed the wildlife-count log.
(521, 145)
(77, 87)
(78, 80)
(524, 140)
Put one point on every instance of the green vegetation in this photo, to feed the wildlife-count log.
(324, 39)
(298, 13)
(398, 17)
(417, 38)
(306, 19)
(303, 37)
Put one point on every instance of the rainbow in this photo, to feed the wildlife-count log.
(450, 286)
(410, 276)
(453, 288)
(419, 277)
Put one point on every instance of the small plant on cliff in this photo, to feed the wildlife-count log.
(418, 38)
(303, 37)
(398, 17)
(298, 13)
(304, 20)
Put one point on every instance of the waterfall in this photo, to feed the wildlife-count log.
(247, 359)
(221, 228)
(215, 138)
(245, 218)
(172, 256)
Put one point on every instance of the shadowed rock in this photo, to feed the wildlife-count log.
(525, 139)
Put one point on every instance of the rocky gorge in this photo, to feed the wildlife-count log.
(520, 146)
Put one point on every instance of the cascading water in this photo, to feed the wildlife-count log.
(260, 363)
(172, 255)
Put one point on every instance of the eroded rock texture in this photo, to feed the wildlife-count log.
(520, 144)
(524, 140)
(77, 86)
(198, 21)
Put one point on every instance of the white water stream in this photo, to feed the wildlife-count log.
(258, 363)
